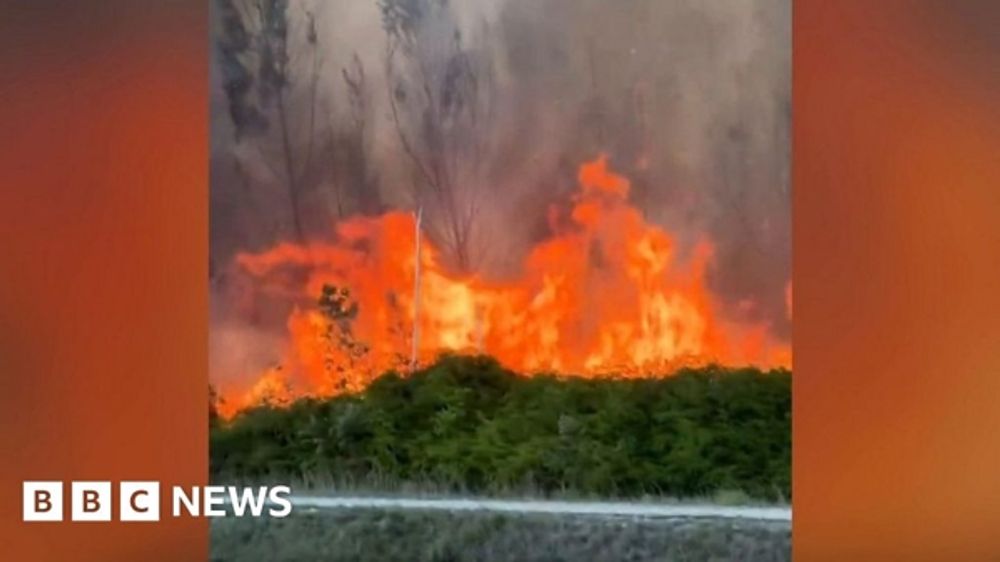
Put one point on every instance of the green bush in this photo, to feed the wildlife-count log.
(467, 424)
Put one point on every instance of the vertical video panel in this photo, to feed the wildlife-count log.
(502, 280)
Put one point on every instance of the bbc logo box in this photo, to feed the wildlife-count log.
(43, 501)
(140, 501)
(91, 501)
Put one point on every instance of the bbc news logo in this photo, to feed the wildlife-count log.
(140, 501)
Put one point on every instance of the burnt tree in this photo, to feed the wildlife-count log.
(440, 97)
(271, 94)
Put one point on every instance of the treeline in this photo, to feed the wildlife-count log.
(467, 424)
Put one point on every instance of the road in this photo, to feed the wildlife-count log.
(611, 509)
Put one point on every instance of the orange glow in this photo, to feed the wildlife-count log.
(605, 294)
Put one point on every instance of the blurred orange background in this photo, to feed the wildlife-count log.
(896, 171)
(103, 297)
(103, 262)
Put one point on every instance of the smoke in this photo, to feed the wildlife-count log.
(689, 99)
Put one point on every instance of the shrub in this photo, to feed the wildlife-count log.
(468, 424)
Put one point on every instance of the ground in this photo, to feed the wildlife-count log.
(342, 535)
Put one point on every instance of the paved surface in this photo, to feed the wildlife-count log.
(613, 509)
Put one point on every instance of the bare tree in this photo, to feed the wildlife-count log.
(260, 78)
(440, 96)
(355, 180)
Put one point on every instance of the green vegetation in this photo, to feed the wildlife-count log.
(407, 536)
(468, 425)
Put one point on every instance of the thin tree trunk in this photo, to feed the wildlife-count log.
(293, 187)
(416, 293)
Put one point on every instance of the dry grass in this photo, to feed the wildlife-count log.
(408, 536)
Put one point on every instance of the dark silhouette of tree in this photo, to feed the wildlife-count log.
(346, 351)
(259, 78)
(440, 96)
(214, 401)
(354, 177)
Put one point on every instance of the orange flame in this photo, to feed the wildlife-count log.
(605, 294)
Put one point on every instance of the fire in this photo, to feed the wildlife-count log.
(605, 294)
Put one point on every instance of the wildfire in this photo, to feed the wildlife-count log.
(605, 294)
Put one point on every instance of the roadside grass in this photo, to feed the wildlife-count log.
(361, 535)
(383, 487)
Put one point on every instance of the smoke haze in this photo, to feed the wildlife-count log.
(690, 100)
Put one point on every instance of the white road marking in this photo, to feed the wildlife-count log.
(613, 509)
